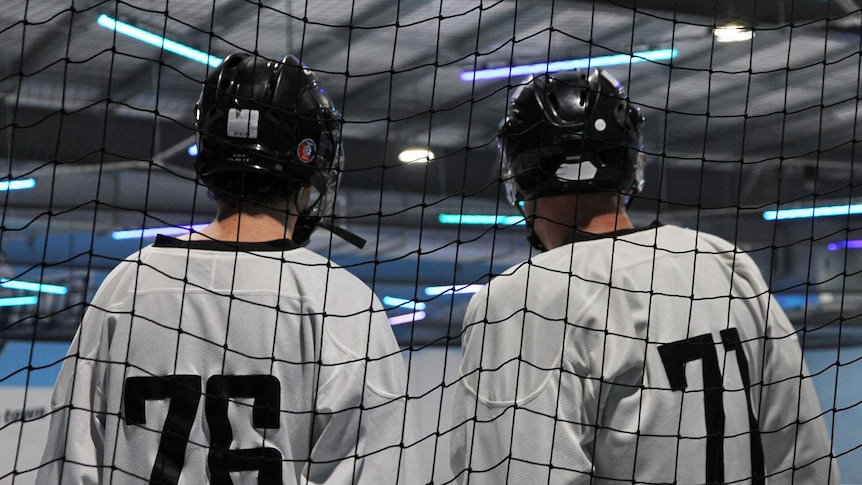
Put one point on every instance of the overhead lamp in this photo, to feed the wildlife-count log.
(481, 219)
(157, 41)
(811, 212)
(411, 155)
(568, 65)
(795, 301)
(408, 318)
(392, 301)
(732, 33)
(20, 184)
(193, 150)
(19, 301)
(849, 244)
(456, 289)
(31, 286)
(155, 231)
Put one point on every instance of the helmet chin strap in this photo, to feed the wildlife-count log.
(535, 242)
(538, 245)
(343, 233)
(306, 224)
(532, 237)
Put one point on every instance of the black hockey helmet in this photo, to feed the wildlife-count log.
(274, 119)
(571, 132)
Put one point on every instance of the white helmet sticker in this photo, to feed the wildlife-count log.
(584, 170)
(242, 123)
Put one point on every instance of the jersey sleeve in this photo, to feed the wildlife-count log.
(462, 410)
(361, 434)
(795, 441)
(73, 452)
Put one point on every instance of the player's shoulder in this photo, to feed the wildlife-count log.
(119, 278)
(676, 238)
(329, 272)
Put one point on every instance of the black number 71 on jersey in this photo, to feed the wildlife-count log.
(674, 356)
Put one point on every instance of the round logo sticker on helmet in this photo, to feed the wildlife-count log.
(306, 150)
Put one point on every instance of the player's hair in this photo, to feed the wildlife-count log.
(249, 191)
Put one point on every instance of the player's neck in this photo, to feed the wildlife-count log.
(245, 228)
(606, 223)
(257, 226)
(590, 213)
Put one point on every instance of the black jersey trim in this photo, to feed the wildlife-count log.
(579, 236)
(163, 241)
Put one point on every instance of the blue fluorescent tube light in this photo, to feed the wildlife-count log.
(408, 318)
(808, 213)
(30, 286)
(795, 301)
(457, 289)
(391, 301)
(568, 65)
(157, 41)
(481, 219)
(19, 301)
(17, 184)
(154, 231)
(851, 244)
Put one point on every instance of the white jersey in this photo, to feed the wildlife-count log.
(208, 362)
(653, 356)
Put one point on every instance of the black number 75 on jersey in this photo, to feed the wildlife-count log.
(184, 394)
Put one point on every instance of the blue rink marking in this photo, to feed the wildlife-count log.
(15, 358)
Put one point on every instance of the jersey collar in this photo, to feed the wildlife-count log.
(578, 236)
(163, 241)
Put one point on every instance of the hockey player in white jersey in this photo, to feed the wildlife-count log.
(622, 354)
(237, 356)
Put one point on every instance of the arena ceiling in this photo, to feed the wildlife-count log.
(103, 122)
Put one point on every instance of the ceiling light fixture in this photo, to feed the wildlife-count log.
(732, 33)
(456, 289)
(19, 301)
(392, 301)
(481, 219)
(155, 231)
(412, 155)
(407, 318)
(850, 244)
(808, 213)
(157, 41)
(30, 286)
(17, 184)
(568, 65)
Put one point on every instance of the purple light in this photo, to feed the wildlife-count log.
(457, 289)
(406, 318)
(154, 231)
(850, 244)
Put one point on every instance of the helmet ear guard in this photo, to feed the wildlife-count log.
(271, 118)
